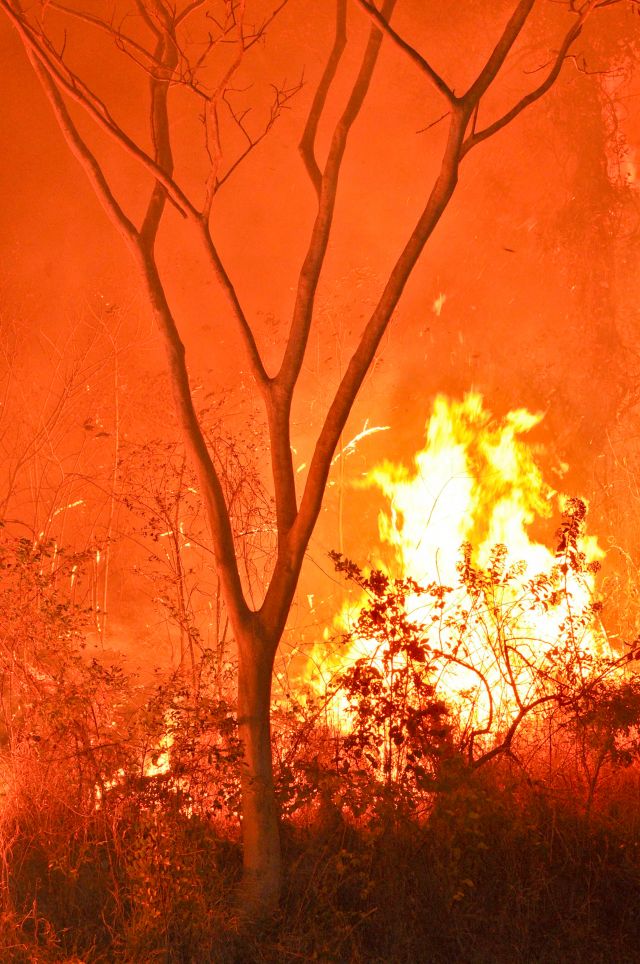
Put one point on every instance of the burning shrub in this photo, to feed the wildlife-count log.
(497, 664)
(397, 726)
(106, 783)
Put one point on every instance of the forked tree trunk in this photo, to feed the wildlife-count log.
(262, 872)
(258, 633)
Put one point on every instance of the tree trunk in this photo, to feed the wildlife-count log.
(261, 879)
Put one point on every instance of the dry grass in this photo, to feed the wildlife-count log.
(501, 870)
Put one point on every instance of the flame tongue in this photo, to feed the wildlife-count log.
(477, 482)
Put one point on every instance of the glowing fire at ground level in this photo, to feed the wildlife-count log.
(506, 623)
(432, 681)
(472, 611)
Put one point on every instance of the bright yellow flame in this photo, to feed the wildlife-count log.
(158, 762)
(477, 481)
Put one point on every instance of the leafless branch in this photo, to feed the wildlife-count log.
(282, 96)
(423, 130)
(476, 137)
(307, 143)
(365, 351)
(383, 24)
(257, 367)
(212, 117)
(166, 55)
(188, 10)
(318, 242)
(211, 487)
(122, 41)
(500, 52)
(259, 32)
(60, 75)
(284, 382)
(82, 153)
(505, 745)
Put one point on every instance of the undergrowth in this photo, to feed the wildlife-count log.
(413, 831)
(499, 872)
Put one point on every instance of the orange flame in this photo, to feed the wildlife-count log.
(476, 482)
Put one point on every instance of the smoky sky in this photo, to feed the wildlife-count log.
(526, 291)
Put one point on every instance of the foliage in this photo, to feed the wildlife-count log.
(93, 827)
(115, 831)
(462, 672)
(398, 726)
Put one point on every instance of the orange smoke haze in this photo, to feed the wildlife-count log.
(527, 292)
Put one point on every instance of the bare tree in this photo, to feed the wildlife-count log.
(156, 34)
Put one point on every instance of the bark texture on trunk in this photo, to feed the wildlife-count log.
(262, 870)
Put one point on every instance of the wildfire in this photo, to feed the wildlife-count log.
(475, 481)
(158, 762)
(496, 618)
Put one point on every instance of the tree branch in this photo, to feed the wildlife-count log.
(166, 55)
(81, 152)
(281, 98)
(285, 573)
(188, 10)
(308, 140)
(500, 52)
(63, 77)
(164, 183)
(317, 248)
(211, 118)
(285, 380)
(212, 493)
(477, 136)
(383, 24)
(257, 367)
(121, 40)
(259, 33)
(505, 746)
(366, 349)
